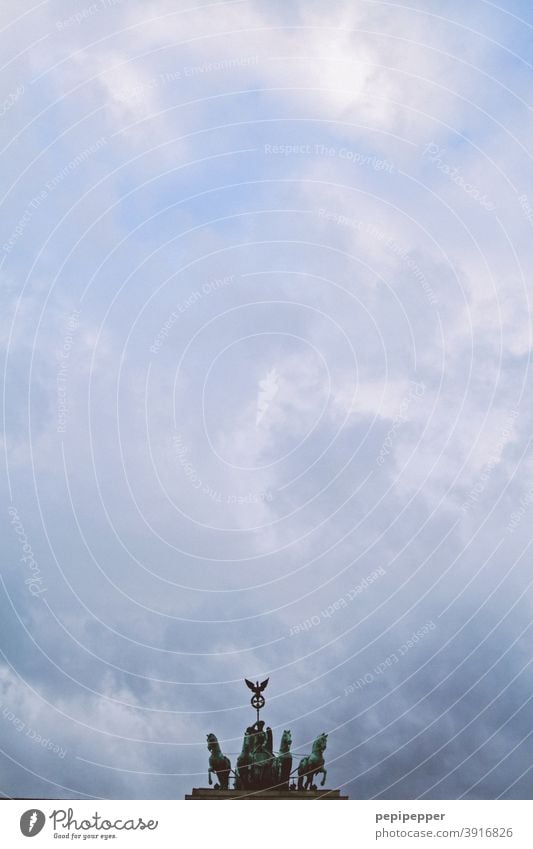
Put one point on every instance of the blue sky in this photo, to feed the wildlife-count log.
(266, 330)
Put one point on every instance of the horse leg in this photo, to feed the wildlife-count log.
(224, 776)
(324, 774)
(209, 771)
(302, 773)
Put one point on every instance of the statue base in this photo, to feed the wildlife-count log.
(304, 795)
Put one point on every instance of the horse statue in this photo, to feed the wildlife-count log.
(283, 763)
(242, 767)
(312, 765)
(218, 763)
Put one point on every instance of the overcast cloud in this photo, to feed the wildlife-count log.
(265, 277)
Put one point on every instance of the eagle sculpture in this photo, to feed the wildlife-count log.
(257, 687)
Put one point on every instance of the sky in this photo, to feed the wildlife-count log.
(265, 331)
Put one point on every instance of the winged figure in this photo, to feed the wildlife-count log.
(257, 687)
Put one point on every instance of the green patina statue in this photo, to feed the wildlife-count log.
(244, 762)
(256, 762)
(313, 764)
(218, 763)
(284, 761)
(257, 766)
